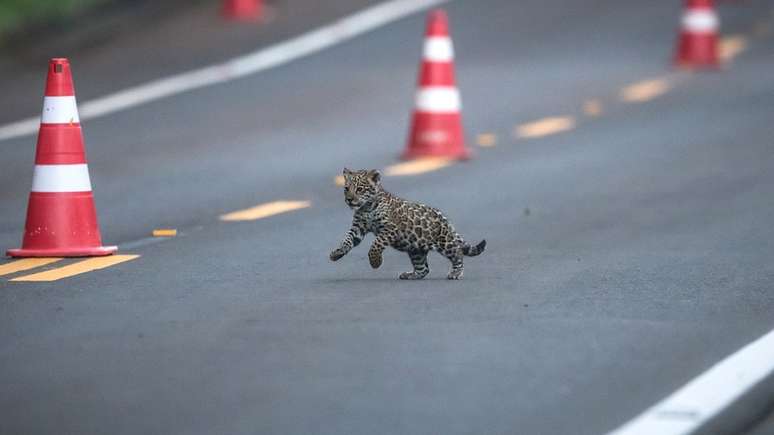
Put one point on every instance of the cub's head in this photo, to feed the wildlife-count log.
(360, 187)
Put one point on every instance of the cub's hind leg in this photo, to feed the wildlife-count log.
(453, 252)
(419, 261)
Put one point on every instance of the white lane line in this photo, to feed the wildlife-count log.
(705, 396)
(311, 42)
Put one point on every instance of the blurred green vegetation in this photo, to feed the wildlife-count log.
(16, 14)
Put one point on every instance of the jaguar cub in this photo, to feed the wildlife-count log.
(404, 225)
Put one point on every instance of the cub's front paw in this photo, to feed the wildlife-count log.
(337, 254)
(375, 260)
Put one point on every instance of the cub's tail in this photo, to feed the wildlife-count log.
(472, 251)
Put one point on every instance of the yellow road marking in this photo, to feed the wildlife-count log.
(164, 233)
(417, 166)
(592, 108)
(76, 268)
(265, 210)
(645, 90)
(486, 140)
(25, 264)
(544, 127)
(731, 47)
(339, 180)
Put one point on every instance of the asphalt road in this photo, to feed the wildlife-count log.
(625, 256)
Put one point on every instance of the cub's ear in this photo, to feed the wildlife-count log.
(374, 175)
(347, 171)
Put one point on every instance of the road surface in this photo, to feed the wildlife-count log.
(629, 250)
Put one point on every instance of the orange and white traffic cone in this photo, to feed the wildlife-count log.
(697, 46)
(436, 129)
(61, 217)
(242, 10)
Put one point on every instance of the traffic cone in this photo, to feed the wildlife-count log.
(697, 46)
(436, 129)
(61, 217)
(242, 10)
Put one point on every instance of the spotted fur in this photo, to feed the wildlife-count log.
(404, 225)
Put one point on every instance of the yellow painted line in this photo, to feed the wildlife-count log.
(544, 127)
(731, 47)
(78, 268)
(415, 167)
(645, 90)
(25, 264)
(486, 140)
(592, 108)
(265, 210)
(164, 233)
(339, 180)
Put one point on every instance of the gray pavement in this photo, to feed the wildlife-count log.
(136, 43)
(644, 259)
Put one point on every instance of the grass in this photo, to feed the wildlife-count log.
(16, 14)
